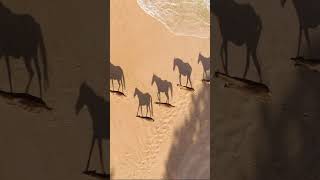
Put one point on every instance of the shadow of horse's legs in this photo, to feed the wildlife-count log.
(306, 34)
(256, 63)
(31, 73)
(224, 48)
(180, 78)
(247, 64)
(101, 155)
(9, 72)
(90, 153)
(189, 80)
(112, 84)
(36, 63)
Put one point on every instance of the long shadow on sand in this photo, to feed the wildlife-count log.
(21, 38)
(25, 101)
(99, 110)
(189, 156)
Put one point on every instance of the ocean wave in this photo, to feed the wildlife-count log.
(181, 17)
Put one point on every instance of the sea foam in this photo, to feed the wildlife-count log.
(181, 17)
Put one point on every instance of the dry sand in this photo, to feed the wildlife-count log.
(176, 144)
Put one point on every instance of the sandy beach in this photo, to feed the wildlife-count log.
(176, 144)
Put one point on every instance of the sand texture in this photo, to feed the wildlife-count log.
(175, 144)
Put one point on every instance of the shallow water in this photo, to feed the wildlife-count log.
(181, 17)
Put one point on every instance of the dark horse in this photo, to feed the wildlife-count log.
(205, 61)
(163, 86)
(184, 69)
(308, 12)
(21, 36)
(116, 73)
(98, 108)
(145, 99)
(240, 25)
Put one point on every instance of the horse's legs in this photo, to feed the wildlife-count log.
(101, 155)
(188, 78)
(138, 110)
(36, 63)
(90, 153)
(118, 85)
(226, 57)
(299, 40)
(167, 94)
(159, 96)
(31, 73)
(148, 107)
(256, 63)
(9, 72)
(306, 34)
(221, 55)
(180, 78)
(141, 110)
(247, 63)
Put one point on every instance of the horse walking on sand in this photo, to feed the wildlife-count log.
(145, 99)
(116, 73)
(184, 69)
(308, 12)
(163, 86)
(21, 37)
(239, 24)
(205, 61)
(98, 109)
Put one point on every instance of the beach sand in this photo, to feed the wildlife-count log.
(176, 144)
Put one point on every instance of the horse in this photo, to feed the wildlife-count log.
(21, 36)
(145, 99)
(184, 69)
(163, 86)
(116, 73)
(98, 109)
(205, 61)
(308, 12)
(239, 24)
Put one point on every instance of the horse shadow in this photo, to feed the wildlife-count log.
(145, 99)
(163, 86)
(116, 73)
(308, 12)
(21, 38)
(99, 110)
(205, 61)
(184, 69)
(241, 25)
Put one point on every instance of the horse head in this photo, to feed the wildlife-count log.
(135, 92)
(153, 79)
(81, 99)
(283, 2)
(174, 63)
(199, 57)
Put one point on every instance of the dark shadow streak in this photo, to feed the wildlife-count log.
(27, 101)
(119, 93)
(145, 118)
(165, 104)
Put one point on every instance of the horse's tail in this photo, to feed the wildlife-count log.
(171, 89)
(43, 52)
(124, 82)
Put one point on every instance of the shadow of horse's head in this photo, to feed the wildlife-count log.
(135, 92)
(83, 92)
